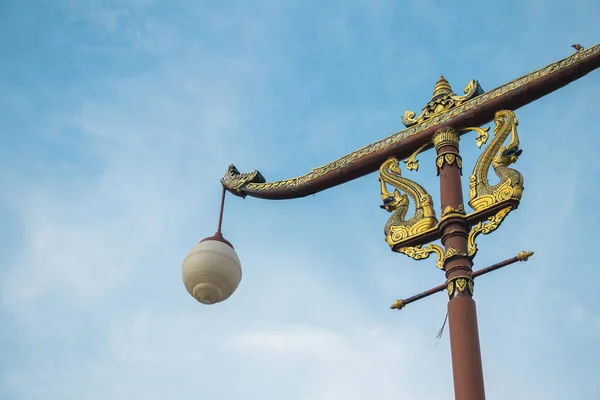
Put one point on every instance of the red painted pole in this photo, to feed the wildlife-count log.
(462, 314)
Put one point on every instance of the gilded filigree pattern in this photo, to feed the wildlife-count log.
(451, 252)
(448, 158)
(422, 253)
(446, 137)
(486, 228)
(460, 285)
(412, 164)
(483, 134)
(443, 100)
(449, 210)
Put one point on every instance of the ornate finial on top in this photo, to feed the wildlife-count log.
(442, 87)
(443, 100)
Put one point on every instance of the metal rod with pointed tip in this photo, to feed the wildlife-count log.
(522, 256)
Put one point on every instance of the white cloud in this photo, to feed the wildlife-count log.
(92, 289)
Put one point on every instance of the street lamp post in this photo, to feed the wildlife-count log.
(462, 315)
(212, 271)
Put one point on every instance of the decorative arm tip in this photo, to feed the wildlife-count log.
(235, 181)
(524, 255)
(398, 305)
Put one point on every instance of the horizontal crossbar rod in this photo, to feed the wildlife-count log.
(522, 256)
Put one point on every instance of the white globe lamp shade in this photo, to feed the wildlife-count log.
(212, 270)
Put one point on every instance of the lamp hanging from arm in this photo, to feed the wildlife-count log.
(212, 270)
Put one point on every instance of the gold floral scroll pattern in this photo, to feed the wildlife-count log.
(449, 210)
(439, 119)
(460, 285)
(412, 164)
(448, 158)
(483, 134)
(445, 137)
(451, 252)
(422, 253)
(443, 99)
(486, 228)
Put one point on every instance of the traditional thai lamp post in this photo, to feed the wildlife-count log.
(212, 271)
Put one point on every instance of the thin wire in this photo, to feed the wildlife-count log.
(441, 331)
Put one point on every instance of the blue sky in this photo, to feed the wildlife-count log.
(119, 117)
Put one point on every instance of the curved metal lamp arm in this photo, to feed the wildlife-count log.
(476, 111)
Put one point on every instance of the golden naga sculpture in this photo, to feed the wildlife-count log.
(443, 99)
(398, 229)
(482, 194)
(235, 181)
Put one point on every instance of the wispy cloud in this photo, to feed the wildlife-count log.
(120, 117)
